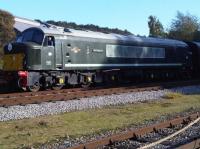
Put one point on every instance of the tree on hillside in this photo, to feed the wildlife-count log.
(7, 32)
(184, 27)
(155, 27)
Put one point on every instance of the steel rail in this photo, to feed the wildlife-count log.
(170, 136)
(134, 134)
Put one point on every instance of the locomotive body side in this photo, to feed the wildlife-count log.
(95, 54)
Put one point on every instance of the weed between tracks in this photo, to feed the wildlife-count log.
(23, 133)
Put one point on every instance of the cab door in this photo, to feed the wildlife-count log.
(58, 54)
(49, 53)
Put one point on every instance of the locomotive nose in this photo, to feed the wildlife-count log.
(20, 56)
(14, 54)
(15, 48)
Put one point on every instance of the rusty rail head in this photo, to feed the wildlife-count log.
(135, 133)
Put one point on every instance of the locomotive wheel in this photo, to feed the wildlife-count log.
(23, 89)
(19, 82)
(57, 87)
(34, 88)
(86, 85)
(58, 84)
(87, 82)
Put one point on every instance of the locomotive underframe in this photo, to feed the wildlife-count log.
(35, 80)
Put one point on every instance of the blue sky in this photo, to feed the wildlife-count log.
(123, 14)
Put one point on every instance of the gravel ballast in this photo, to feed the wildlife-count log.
(35, 110)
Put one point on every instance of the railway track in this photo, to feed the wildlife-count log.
(24, 98)
(169, 134)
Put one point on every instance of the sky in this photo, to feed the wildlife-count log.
(124, 14)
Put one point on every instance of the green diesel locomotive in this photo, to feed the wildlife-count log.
(48, 56)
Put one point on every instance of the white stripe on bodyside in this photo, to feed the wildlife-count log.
(120, 65)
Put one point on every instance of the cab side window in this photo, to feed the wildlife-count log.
(49, 41)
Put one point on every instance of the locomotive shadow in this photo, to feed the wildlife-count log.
(187, 90)
(6, 90)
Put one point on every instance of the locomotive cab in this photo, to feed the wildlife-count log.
(32, 52)
(25, 53)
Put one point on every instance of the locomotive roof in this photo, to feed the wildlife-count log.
(24, 24)
(111, 36)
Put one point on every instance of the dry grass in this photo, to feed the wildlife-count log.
(17, 134)
(173, 96)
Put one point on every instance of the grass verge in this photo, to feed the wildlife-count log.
(28, 132)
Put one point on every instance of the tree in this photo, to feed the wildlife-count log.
(7, 32)
(184, 27)
(155, 27)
